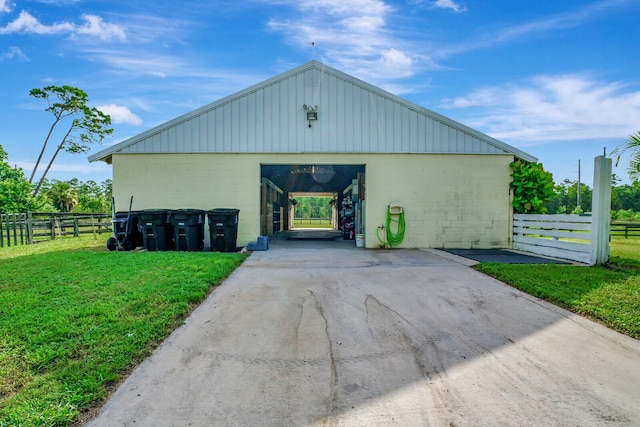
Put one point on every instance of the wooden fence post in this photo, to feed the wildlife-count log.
(22, 218)
(93, 228)
(601, 211)
(6, 217)
(29, 220)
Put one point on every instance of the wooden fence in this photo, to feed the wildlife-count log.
(561, 236)
(318, 221)
(33, 227)
(625, 228)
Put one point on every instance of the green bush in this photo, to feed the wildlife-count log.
(532, 187)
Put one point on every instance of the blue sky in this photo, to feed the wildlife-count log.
(557, 79)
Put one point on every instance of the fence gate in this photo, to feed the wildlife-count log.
(574, 237)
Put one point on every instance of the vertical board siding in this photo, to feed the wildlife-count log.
(241, 121)
(179, 137)
(351, 119)
(188, 137)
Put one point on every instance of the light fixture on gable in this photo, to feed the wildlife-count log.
(312, 112)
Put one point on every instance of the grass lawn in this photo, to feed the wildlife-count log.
(75, 318)
(608, 294)
(304, 223)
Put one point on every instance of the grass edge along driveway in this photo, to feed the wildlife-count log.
(608, 294)
(74, 319)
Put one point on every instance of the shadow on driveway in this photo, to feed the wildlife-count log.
(329, 334)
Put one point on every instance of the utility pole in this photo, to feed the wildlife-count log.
(578, 183)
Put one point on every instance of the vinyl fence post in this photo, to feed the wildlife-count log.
(601, 211)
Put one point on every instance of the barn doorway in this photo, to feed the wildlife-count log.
(307, 200)
(313, 211)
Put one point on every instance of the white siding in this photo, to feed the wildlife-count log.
(353, 117)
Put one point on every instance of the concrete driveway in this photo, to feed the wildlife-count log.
(314, 334)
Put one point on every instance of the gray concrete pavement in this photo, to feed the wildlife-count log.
(314, 334)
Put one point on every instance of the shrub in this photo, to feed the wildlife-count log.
(532, 187)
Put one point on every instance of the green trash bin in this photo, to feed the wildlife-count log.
(223, 229)
(188, 229)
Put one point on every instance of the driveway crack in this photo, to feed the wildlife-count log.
(333, 381)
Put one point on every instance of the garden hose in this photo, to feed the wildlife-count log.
(393, 239)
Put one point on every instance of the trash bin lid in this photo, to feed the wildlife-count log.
(188, 211)
(224, 211)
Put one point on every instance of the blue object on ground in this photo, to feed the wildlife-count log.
(261, 245)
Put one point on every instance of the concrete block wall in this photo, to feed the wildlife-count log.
(191, 181)
(450, 200)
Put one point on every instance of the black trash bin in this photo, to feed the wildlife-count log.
(223, 229)
(125, 228)
(188, 229)
(155, 225)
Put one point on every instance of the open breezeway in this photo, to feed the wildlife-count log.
(302, 335)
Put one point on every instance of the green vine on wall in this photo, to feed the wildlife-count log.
(532, 187)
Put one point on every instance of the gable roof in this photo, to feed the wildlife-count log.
(352, 117)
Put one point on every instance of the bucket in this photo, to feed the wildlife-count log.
(359, 240)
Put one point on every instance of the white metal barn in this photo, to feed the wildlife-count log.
(316, 130)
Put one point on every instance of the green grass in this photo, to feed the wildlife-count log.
(305, 223)
(608, 294)
(75, 318)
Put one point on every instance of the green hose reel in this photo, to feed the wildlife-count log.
(395, 219)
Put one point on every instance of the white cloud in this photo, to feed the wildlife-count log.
(120, 114)
(341, 7)
(26, 23)
(563, 107)
(13, 52)
(6, 6)
(547, 24)
(140, 63)
(353, 36)
(94, 26)
(449, 4)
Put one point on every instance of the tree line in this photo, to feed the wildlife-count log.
(313, 207)
(17, 194)
(625, 199)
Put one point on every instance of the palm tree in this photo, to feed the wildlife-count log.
(632, 145)
(63, 196)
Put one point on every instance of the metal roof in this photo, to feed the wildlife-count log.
(352, 117)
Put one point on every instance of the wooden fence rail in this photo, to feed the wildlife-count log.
(312, 220)
(33, 227)
(625, 228)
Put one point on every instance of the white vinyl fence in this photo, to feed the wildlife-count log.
(573, 237)
(560, 236)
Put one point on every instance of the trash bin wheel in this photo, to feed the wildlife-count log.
(112, 244)
(128, 244)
